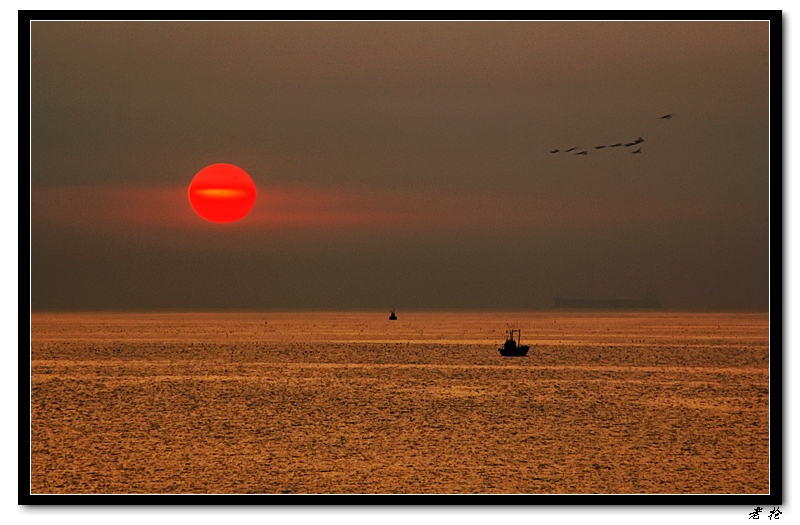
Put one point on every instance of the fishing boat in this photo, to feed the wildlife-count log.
(392, 317)
(513, 348)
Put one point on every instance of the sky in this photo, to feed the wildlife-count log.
(401, 164)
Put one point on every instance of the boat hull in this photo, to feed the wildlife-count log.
(519, 351)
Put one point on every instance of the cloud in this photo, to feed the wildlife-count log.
(155, 209)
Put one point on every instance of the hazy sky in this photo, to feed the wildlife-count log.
(401, 165)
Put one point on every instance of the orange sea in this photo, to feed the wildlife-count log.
(340, 403)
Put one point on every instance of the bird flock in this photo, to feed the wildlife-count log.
(630, 144)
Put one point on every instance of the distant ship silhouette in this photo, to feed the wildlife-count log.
(392, 317)
(649, 301)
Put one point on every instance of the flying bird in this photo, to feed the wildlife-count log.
(599, 147)
(667, 116)
(615, 145)
(637, 151)
(554, 151)
(629, 144)
(570, 149)
(637, 141)
(581, 153)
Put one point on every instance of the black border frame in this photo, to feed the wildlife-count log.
(778, 375)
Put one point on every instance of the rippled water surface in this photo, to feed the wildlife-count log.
(354, 403)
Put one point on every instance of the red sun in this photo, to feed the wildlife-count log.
(222, 193)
